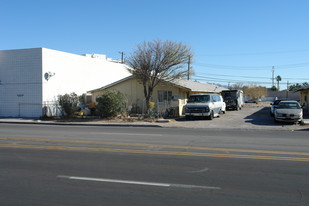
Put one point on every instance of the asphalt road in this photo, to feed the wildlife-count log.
(73, 165)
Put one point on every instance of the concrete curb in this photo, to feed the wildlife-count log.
(165, 120)
(80, 124)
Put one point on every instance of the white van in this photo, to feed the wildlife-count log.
(204, 105)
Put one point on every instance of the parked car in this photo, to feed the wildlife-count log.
(205, 105)
(250, 101)
(223, 108)
(255, 101)
(274, 105)
(288, 111)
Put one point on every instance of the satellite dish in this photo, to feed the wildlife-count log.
(48, 75)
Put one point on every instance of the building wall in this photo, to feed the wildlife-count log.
(283, 94)
(130, 88)
(305, 99)
(135, 94)
(77, 73)
(24, 91)
(21, 83)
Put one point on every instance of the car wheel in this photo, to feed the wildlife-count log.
(211, 116)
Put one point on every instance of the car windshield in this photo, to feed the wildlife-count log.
(199, 98)
(278, 101)
(288, 105)
(227, 95)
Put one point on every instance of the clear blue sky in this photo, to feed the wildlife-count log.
(232, 40)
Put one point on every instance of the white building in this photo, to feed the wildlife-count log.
(31, 79)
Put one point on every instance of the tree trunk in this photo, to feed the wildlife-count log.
(148, 95)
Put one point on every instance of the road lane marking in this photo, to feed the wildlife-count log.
(157, 184)
(194, 154)
(132, 134)
(157, 146)
(199, 171)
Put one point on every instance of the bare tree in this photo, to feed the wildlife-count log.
(157, 61)
(238, 85)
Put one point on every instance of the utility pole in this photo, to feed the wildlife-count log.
(122, 60)
(287, 89)
(273, 76)
(189, 67)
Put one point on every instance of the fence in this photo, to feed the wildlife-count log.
(51, 109)
(47, 109)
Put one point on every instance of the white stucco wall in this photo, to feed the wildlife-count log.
(24, 90)
(77, 73)
(20, 87)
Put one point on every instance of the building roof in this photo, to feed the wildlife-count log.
(192, 86)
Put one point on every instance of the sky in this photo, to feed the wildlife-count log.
(233, 41)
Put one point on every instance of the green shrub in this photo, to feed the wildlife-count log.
(111, 104)
(69, 103)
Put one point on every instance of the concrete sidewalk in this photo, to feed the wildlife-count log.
(82, 122)
(121, 123)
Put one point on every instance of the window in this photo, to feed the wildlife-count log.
(199, 98)
(164, 96)
(216, 98)
(288, 105)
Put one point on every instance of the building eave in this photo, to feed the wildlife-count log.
(112, 84)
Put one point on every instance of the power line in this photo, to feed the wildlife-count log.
(249, 77)
(223, 75)
(286, 66)
(231, 81)
(228, 80)
(214, 79)
(201, 74)
(257, 53)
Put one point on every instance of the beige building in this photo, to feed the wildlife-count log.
(304, 97)
(167, 96)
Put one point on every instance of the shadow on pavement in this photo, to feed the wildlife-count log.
(302, 130)
(183, 119)
(262, 117)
